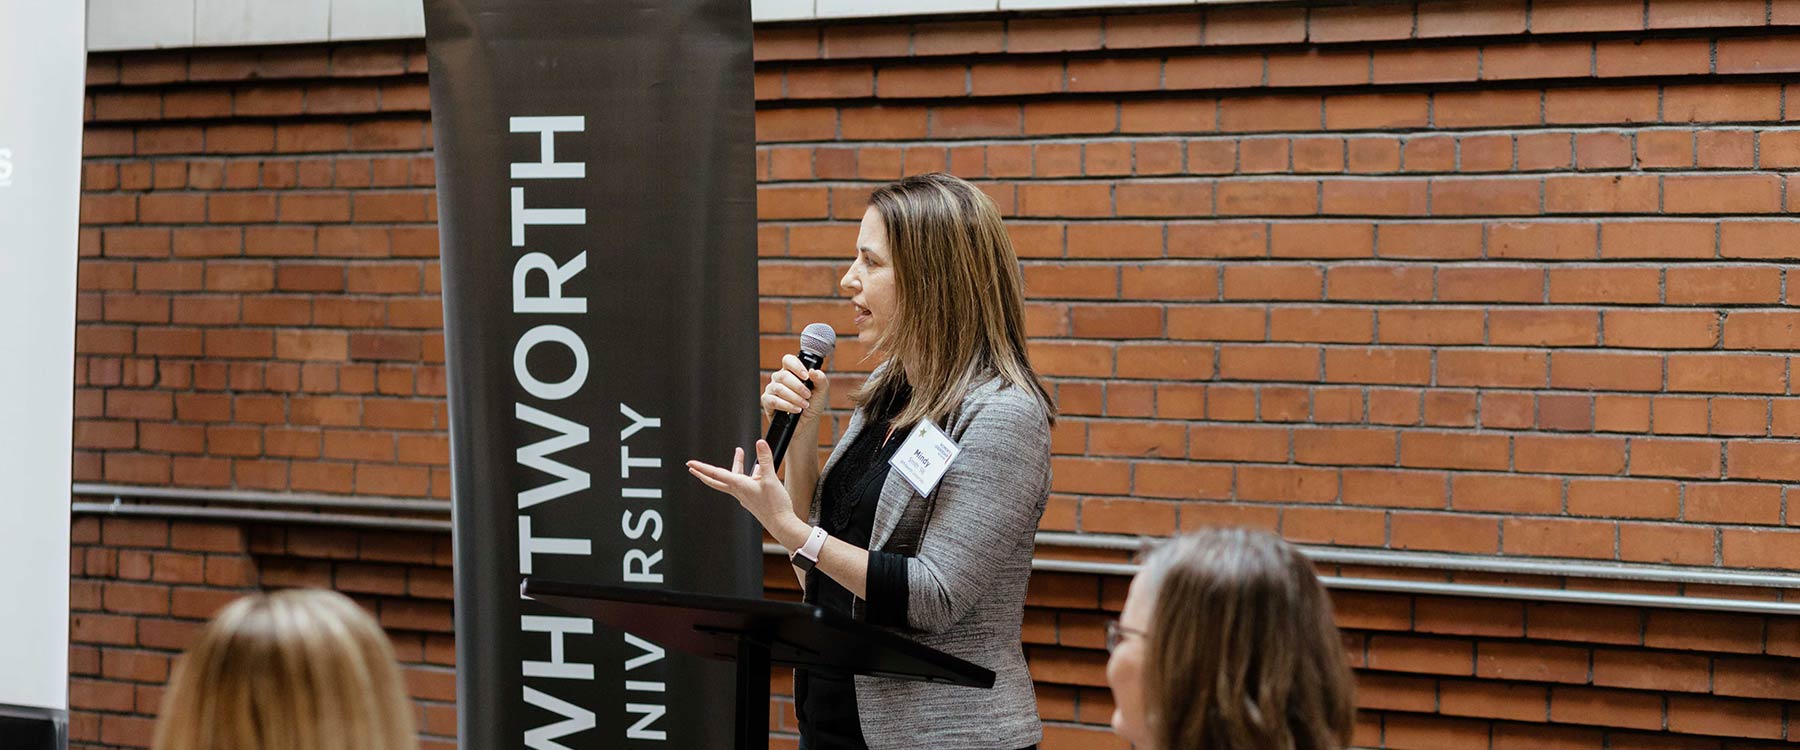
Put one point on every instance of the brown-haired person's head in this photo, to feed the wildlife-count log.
(937, 290)
(292, 670)
(1226, 642)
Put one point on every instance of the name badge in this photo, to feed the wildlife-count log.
(924, 457)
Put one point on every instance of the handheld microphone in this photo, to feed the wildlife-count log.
(816, 343)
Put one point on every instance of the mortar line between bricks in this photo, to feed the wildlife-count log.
(1427, 182)
(1263, 52)
(1208, 221)
(1278, 219)
(1377, 306)
(280, 156)
(1527, 176)
(1078, 139)
(1224, 220)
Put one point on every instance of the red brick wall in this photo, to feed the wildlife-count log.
(259, 280)
(1489, 278)
(1475, 293)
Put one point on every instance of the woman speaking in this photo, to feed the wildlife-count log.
(923, 518)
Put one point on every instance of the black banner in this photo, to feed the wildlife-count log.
(597, 211)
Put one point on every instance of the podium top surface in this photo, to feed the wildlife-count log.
(796, 635)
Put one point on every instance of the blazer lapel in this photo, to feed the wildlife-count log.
(895, 494)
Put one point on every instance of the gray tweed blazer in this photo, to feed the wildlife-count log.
(969, 548)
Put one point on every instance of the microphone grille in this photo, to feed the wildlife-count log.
(819, 339)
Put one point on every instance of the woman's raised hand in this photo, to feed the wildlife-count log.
(788, 391)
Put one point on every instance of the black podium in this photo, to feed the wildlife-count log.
(757, 633)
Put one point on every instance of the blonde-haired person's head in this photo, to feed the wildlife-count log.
(1227, 641)
(940, 281)
(292, 670)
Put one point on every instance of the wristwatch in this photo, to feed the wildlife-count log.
(808, 555)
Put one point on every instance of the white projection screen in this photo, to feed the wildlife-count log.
(43, 61)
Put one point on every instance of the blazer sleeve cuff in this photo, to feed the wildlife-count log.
(887, 589)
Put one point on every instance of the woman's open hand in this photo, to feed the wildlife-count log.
(760, 491)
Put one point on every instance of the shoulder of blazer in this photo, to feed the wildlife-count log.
(995, 394)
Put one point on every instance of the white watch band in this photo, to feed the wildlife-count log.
(814, 542)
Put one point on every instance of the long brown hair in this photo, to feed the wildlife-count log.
(293, 670)
(961, 301)
(1242, 652)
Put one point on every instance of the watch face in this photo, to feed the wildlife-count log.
(802, 562)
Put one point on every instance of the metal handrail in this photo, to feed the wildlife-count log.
(1329, 556)
(1471, 563)
(251, 497)
(258, 514)
(1440, 588)
(1568, 596)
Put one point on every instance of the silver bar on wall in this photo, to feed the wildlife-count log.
(255, 514)
(251, 497)
(1112, 542)
(1564, 596)
(1475, 564)
(1438, 588)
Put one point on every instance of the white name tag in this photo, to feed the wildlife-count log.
(924, 457)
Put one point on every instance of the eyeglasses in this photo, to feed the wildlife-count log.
(1116, 633)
